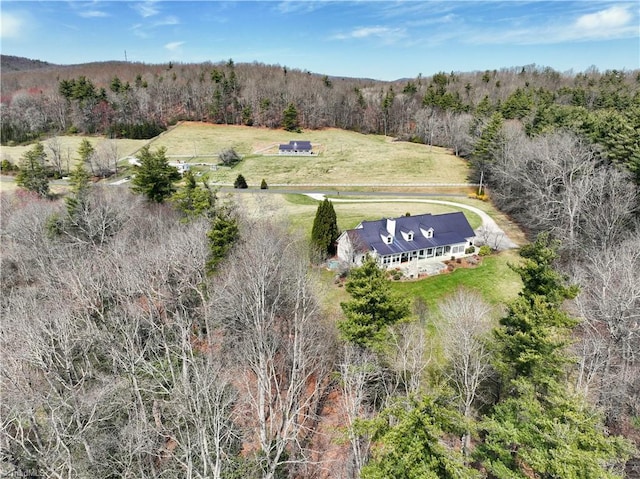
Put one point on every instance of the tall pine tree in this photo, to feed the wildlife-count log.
(373, 307)
(325, 229)
(540, 428)
(33, 172)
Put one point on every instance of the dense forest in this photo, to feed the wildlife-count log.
(169, 334)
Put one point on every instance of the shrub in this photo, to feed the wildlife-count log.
(240, 182)
(263, 185)
(229, 157)
(470, 250)
(485, 250)
(8, 167)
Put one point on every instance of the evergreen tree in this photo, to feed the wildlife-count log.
(192, 200)
(485, 147)
(86, 152)
(33, 173)
(518, 105)
(539, 428)
(263, 185)
(79, 186)
(154, 177)
(373, 306)
(555, 436)
(222, 236)
(240, 182)
(290, 118)
(410, 443)
(325, 229)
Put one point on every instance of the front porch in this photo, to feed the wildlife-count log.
(423, 258)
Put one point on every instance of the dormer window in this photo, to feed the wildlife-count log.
(407, 235)
(388, 239)
(429, 233)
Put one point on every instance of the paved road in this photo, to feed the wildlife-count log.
(489, 233)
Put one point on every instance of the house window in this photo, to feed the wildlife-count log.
(410, 236)
(429, 252)
(389, 239)
(430, 233)
(439, 251)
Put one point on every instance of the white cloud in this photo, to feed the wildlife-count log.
(174, 46)
(11, 25)
(170, 20)
(386, 34)
(146, 9)
(93, 14)
(611, 23)
(612, 17)
(297, 6)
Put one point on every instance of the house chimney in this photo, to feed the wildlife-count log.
(391, 227)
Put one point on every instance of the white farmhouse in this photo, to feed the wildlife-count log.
(396, 242)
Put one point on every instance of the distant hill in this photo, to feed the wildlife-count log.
(10, 63)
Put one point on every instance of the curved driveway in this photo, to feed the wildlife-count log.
(489, 233)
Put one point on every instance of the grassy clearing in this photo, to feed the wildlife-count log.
(344, 156)
(493, 279)
(300, 210)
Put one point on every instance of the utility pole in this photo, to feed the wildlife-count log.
(125, 55)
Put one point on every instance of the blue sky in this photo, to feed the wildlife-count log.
(384, 40)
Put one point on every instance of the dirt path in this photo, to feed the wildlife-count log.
(489, 233)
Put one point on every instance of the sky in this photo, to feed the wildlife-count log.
(382, 40)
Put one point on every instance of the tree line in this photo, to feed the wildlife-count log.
(446, 109)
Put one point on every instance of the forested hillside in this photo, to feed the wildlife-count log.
(163, 332)
(131, 99)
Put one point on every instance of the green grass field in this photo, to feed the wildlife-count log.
(344, 156)
(492, 278)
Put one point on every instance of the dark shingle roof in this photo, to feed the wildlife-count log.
(296, 145)
(448, 228)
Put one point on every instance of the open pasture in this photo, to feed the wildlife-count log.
(343, 157)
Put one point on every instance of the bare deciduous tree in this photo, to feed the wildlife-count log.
(609, 345)
(465, 325)
(359, 369)
(271, 320)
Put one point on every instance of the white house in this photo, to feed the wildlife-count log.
(396, 242)
(301, 147)
(181, 166)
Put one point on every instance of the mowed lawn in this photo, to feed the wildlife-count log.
(343, 157)
(492, 279)
(300, 210)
